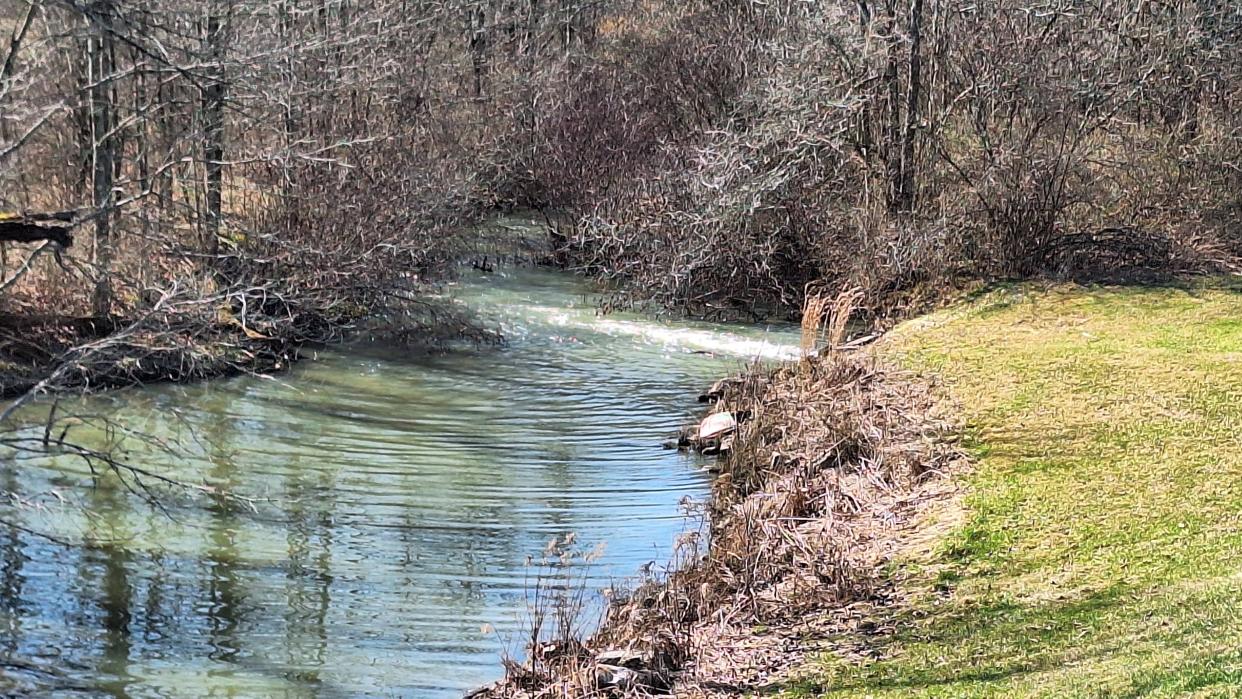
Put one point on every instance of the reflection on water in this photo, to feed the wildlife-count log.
(400, 499)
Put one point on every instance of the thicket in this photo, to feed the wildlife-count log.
(206, 185)
(276, 169)
(723, 157)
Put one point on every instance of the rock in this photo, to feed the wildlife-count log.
(629, 682)
(628, 673)
(717, 448)
(718, 390)
(716, 426)
(685, 439)
(621, 678)
(621, 658)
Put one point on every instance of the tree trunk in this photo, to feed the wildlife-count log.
(892, 80)
(101, 57)
(213, 131)
(476, 22)
(914, 87)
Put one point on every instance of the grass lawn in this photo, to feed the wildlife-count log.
(1101, 553)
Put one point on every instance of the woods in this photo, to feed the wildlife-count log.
(905, 147)
(297, 166)
(712, 157)
(192, 189)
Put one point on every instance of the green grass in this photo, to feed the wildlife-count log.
(1101, 550)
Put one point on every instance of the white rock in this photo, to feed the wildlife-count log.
(716, 426)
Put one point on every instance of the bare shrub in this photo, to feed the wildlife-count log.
(907, 147)
(656, 75)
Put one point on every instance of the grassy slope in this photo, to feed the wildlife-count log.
(1102, 549)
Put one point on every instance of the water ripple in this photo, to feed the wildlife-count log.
(404, 497)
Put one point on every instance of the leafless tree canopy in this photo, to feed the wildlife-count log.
(268, 170)
(285, 166)
(731, 153)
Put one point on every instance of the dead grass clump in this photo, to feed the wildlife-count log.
(803, 512)
(813, 476)
(825, 321)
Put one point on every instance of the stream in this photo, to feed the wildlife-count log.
(398, 500)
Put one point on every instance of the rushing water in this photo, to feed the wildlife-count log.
(399, 499)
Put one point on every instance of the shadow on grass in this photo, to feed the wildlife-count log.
(1223, 671)
(1044, 628)
(1004, 293)
(990, 647)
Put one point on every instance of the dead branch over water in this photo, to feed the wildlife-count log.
(280, 169)
(227, 182)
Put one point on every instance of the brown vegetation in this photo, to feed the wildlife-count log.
(258, 174)
(190, 188)
(304, 164)
(899, 146)
(197, 188)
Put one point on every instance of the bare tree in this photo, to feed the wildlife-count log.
(217, 21)
(101, 59)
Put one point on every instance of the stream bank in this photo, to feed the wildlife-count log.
(97, 353)
(831, 476)
(186, 334)
(1097, 551)
(186, 340)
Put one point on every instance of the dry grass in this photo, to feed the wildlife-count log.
(826, 321)
(814, 318)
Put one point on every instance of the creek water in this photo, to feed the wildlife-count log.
(397, 501)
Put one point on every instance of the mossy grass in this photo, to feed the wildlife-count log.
(1101, 549)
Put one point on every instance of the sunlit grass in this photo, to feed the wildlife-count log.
(1101, 553)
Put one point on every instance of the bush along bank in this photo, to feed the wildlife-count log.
(838, 461)
(252, 311)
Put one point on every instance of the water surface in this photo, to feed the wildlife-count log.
(398, 500)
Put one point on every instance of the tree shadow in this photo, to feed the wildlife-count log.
(1017, 639)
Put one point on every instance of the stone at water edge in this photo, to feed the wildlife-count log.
(716, 426)
(621, 658)
(719, 389)
(630, 682)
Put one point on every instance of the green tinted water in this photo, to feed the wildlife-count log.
(399, 498)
